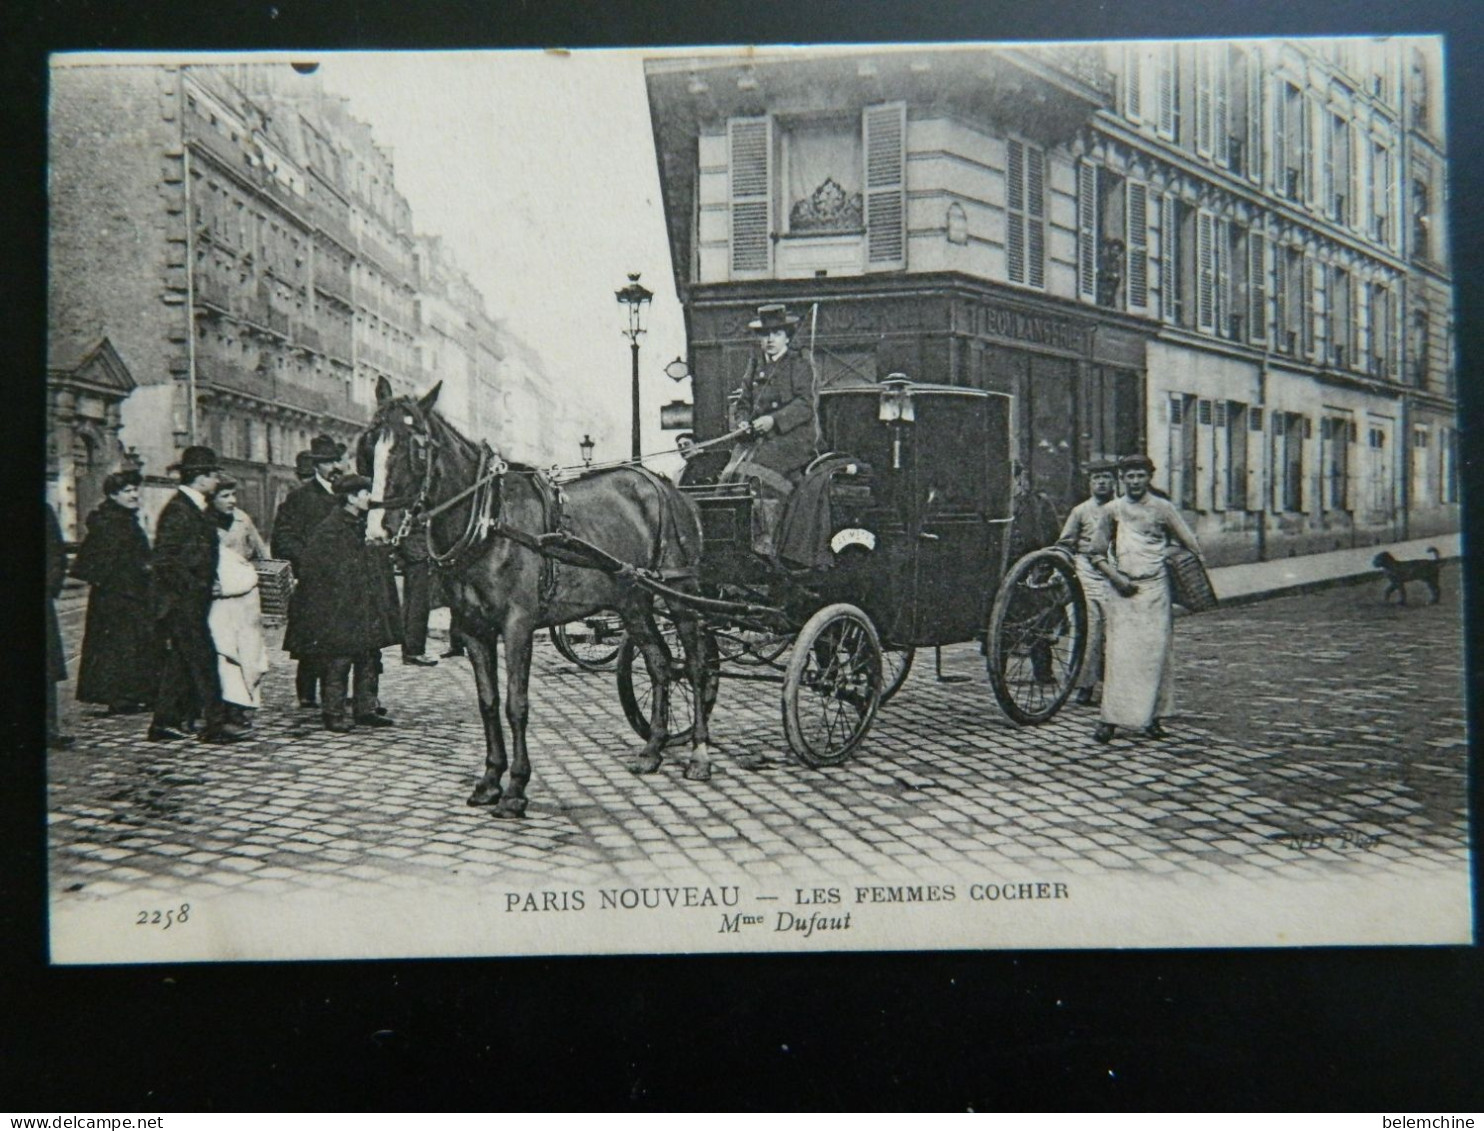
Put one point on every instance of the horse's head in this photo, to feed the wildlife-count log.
(396, 452)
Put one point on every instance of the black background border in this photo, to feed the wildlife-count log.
(1362, 1029)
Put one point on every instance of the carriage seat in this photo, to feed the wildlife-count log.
(801, 539)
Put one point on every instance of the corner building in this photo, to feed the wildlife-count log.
(1199, 250)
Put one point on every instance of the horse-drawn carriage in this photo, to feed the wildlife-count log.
(905, 535)
(911, 540)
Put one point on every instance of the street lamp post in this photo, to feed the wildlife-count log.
(636, 298)
(586, 447)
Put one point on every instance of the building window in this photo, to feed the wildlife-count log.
(1025, 204)
(1335, 437)
(1421, 486)
(1183, 416)
(1234, 437)
(1381, 194)
(1382, 309)
(1290, 141)
(1288, 442)
(1179, 260)
(1337, 165)
(1421, 218)
(1421, 104)
(1421, 335)
(1448, 464)
(1341, 319)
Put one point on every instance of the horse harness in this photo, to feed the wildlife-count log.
(485, 521)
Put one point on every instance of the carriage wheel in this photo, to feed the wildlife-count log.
(895, 664)
(636, 689)
(591, 643)
(1037, 636)
(833, 686)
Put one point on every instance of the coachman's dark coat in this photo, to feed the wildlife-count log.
(120, 648)
(783, 390)
(346, 603)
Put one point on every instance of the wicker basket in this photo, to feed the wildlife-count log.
(1189, 584)
(275, 583)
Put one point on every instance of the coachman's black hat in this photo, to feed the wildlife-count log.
(773, 316)
(324, 449)
(195, 460)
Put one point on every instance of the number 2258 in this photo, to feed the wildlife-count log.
(164, 919)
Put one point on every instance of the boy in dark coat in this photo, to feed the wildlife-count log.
(347, 607)
(303, 510)
(120, 653)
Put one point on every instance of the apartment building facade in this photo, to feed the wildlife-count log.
(1207, 251)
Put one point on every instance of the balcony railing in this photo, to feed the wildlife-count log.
(231, 375)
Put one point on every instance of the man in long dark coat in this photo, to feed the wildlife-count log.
(348, 609)
(303, 510)
(120, 654)
(184, 583)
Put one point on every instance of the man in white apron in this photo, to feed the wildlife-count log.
(1129, 550)
(1077, 537)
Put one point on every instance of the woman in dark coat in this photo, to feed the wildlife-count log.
(120, 653)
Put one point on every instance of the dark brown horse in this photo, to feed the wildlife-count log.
(485, 526)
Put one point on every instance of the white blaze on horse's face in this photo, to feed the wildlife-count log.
(381, 455)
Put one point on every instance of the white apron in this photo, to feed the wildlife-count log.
(237, 630)
(1139, 683)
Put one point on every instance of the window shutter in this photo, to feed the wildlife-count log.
(1256, 95)
(1280, 138)
(1221, 84)
(1327, 182)
(1203, 470)
(1203, 98)
(1224, 277)
(1255, 463)
(1168, 255)
(1388, 201)
(1277, 430)
(1257, 283)
(1280, 298)
(1015, 210)
(1087, 230)
(750, 144)
(1133, 82)
(1352, 328)
(1167, 90)
(1138, 245)
(1351, 462)
(1220, 457)
(885, 130)
(1035, 223)
(1307, 308)
(1206, 270)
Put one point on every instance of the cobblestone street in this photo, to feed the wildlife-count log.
(1319, 732)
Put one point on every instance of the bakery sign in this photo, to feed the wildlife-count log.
(1036, 329)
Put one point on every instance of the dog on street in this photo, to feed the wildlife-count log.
(1399, 573)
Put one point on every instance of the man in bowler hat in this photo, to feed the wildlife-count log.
(183, 572)
(347, 609)
(303, 510)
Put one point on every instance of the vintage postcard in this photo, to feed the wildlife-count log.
(810, 499)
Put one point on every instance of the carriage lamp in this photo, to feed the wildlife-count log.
(636, 298)
(586, 447)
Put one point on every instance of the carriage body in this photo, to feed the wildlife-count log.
(914, 523)
(918, 518)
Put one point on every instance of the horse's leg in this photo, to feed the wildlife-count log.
(518, 633)
(482, 659)
(637, 622)
(693, 641)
